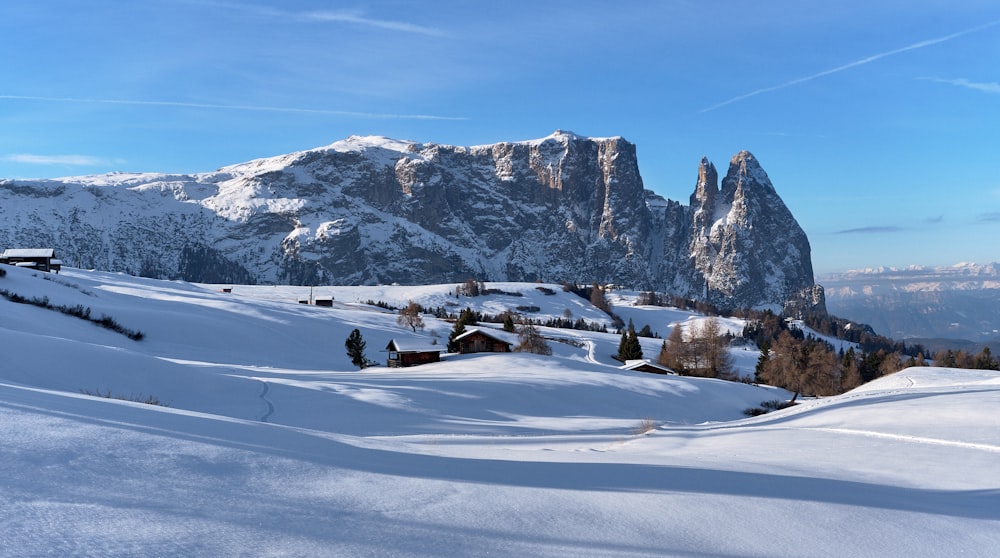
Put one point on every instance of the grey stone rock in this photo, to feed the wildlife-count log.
(374, 210)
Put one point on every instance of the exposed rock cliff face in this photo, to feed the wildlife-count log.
(745, 243)
(375, 210)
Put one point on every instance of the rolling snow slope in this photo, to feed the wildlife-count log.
(274, 445)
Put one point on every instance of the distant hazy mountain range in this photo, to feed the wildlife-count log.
(955, 302)
(368, 210)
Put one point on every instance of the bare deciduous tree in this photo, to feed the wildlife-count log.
(409, 316)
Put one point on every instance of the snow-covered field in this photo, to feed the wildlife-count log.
(274, 444)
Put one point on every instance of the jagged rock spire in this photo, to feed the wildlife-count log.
(707, 186)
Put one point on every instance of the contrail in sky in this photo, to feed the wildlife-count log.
(854, 64)
(179, 104)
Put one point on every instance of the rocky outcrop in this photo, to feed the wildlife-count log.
(375, 210)
(745, 243)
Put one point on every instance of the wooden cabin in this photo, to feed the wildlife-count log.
(647, 366)
(42, 259)
(403, 353)
(480, 341)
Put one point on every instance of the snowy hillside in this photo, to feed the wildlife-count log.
(274, 444)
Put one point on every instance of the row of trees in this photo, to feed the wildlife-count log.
(984, 360)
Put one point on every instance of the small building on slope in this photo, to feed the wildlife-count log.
(405, 353)
(481, 341)
(42, 259)
(643, 365)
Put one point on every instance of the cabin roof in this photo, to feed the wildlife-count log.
(413, 346)
(638, 363)
(28, 253)
(488, 333)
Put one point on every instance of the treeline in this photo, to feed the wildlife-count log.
(805, 364)
(962, 359)
(442, 313)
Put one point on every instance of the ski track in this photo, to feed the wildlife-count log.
(591, 352)
(270, 406)
(908, 438)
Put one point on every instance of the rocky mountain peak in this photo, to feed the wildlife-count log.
(370, 209)
(744, 169)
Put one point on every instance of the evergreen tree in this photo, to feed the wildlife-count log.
(508, 323)
(356, 349)
(765, 355)
(466, 317)
(629, 347)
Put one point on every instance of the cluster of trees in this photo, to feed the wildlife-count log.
(702, 352)
(806, 365)
(961, 359)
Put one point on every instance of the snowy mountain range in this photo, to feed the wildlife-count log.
(370, 210)
(951, 302)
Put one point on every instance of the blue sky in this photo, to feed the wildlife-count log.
(878, 122)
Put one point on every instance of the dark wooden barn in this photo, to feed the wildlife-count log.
(480, 341)
(402, 353)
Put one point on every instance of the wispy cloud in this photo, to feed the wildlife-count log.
(871, 230)
(992, 87)
(357, 19)
(934, 220)
(323, 16)
(854, 64)
(993, 217)
(220, 106)
(71, 160)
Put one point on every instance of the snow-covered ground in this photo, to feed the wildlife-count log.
(273, 444)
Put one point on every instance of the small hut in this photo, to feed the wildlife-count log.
(647, 366)
(404, 353)
(42, 259)
(480, 341)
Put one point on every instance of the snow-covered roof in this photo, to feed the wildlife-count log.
(488, 333)
(412, 346)
(639, 363)
(28, 253)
